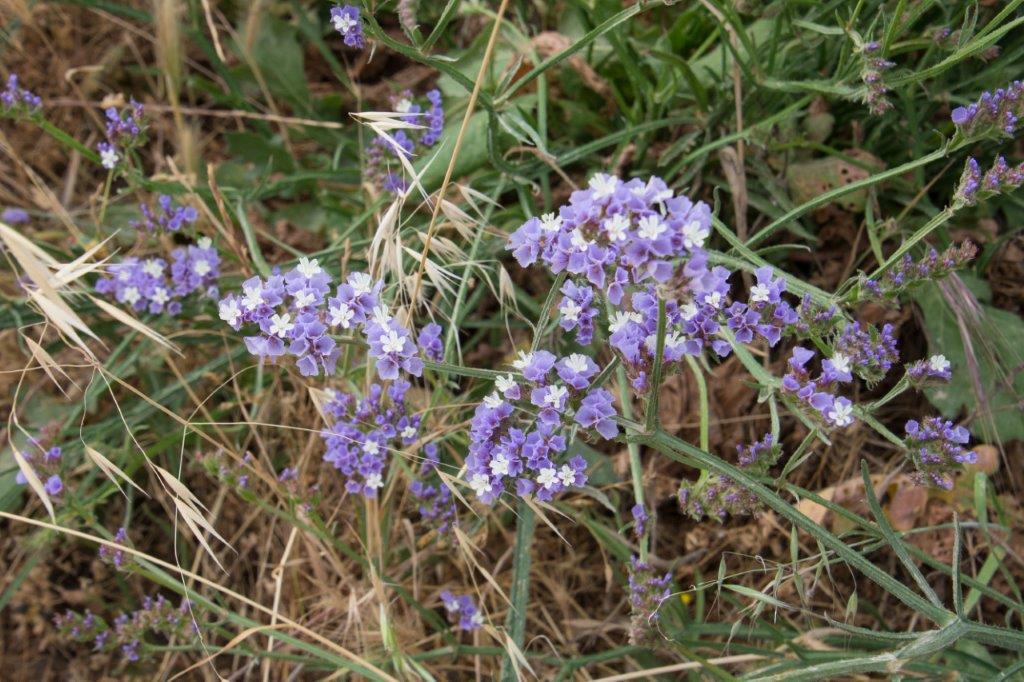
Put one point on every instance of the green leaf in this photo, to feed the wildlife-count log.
(277, 53)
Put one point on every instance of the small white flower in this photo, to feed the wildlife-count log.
(689, 310)
(252, 296)
(204, 242)
(280, 325)
(403, 106)
(160, 296)
(567, 475)
(499, 465)
(481, 484)
(579, 242)
(714, 299)
(124, 274)
(620, 320)
(304, 299)
(938, 363)
(342, 315)
(672, 340)
(374, 481)
(392, 342)
(841, 363)
(841, 413)
(493, 401)
(343, 23)
(109, 158)
(153, 268)
(616, 226)
(694, 235)
(371, 447)
(131, 295)
(477, 619)
(308, 267)
(570, 310)
(361, 283)
(549, 222)
(555, 395)
(409, 432)
(577, 362)
(523, 360)
(505, 383)
(381, 315)
(651, 227)
(547, 478)
(229, 311)
(201, 267)
(604, 185)
(759, 293)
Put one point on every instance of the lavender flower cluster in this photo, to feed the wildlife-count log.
(46, 464)
(936, 448)
(125, 130)
(345, 19)
(618, 235)
(128, 632)
(818, 393)
(516, 434)
(718, 496)
(462, 611)
(909, 273)
(870, 352)
(405, 143)
(872, 74)
(364, 431)
(292, 315)
(998, 179)
(436, 504)
(115, 555)
(935, 367)
(150, 285)
(995, 113)
(16, 100)
(647, 592)
(168, 216)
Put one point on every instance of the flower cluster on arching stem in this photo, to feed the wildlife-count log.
(936, 447)
(293, 314)
(647, 592)
(16, 101)
(363, 432)
(125, 131)
(152, 285)
(517, 435)
(127, 634)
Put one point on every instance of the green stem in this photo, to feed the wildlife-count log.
(515, 623)
(659, 353)
(636, 469)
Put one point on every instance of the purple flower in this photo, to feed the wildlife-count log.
(640, 519)
(597, 412)
(995, 113)
(577, 311)
(647, 592)
(167, 217)
(576, 370)
(393, 348)
(462, 611)
(345, 20)
(429, 341)
(935, 367)
(936, 448)
(536, 365)
(13, 216)
(17, 101)
(404, 143)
